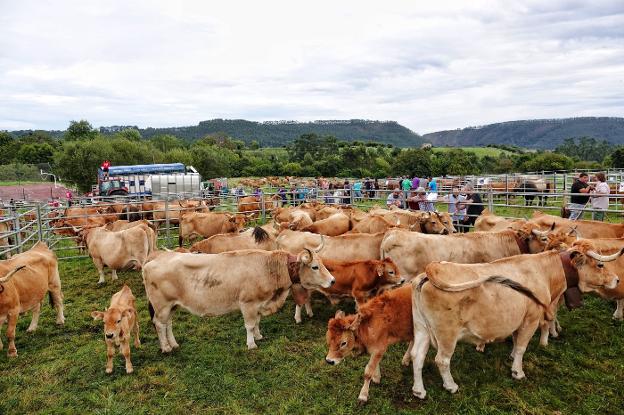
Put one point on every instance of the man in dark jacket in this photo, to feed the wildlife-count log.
(474, 208)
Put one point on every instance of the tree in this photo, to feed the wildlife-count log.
(411, 162)
(5, 139)
(166, 142)
(617, 158)
(131, 134)
(35, 153)
(587, 148)
(80, 130)
(254, 145)
(548, 162)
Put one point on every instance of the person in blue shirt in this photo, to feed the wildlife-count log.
(433, 186)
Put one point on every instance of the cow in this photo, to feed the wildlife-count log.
(207, 224)
(585, 228)
(118, 250)
(489, 222)
(359, 280)
(27, 277)
(6, 240)
(253, 204)
(334, 225)
(482, 303)
(533, 187)
(425, 222)
(375, 224)
(120, 322)
(253, 281)
(256, 238)
(348, 247)
(121, 225)
(298, 220)
(413, 251)
(161, 211)
(378, 324)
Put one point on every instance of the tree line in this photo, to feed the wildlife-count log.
(76, 156)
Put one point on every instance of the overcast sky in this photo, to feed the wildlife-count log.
(430, 65)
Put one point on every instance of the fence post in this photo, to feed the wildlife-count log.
(18, 233)
(490, 200)
(263, 207)
(39, 222)
(167, 230)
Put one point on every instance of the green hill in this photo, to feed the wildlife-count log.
(279, 133)
(545, 134)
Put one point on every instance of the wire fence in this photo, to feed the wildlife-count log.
(22, 225)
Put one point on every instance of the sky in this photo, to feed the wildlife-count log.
(430, 65)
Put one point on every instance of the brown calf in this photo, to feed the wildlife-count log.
(380, 323)
(359, 280)
(120, 319)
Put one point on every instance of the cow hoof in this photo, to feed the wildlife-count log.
(406, 362)
(12, 353)
(130, 370)
(376, 381)
(109, 371)
(60, 322)
(517, 375)
(362, 399)
(618, 318)
(453, 387)
(30, 329)
(480, 347)
(175, 346)
(259, 337)
(100, 282)
(252, 346)
(422, 394)
(166, 349)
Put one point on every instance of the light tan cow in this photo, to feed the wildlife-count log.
(253, 281)
(194, 225)
(334, 225)
(120, 321)
(585, 228)
(161, 211)
(5, 238)
(348, 247)
(256, 238)
(413, 251)
(26, 278)
(298, 220)
(489, 222)
(454, 302)
(375, 224)
(118, 250)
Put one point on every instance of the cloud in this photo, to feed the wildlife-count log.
(428, 65)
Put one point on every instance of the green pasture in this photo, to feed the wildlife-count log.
(60, 370)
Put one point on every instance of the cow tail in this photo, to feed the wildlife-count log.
(516, 286)
(51, 299)
(260, 235)
(180, 240)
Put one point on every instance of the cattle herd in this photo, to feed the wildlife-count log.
(413, 279)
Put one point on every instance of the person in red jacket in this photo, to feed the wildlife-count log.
(105, 167)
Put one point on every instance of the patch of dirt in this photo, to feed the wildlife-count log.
(34, 192)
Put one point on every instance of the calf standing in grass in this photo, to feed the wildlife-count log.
(120, 319)
(380, 323)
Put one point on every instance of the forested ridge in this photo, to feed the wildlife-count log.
(543, 134)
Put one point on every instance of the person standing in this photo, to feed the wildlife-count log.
(474, 207)
(406, 185)
(600, 197)
(347, 193)
(69, 196)
(105, 166)
(580, 196)
(357, 190)
(415, 182)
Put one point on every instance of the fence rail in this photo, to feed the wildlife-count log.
(21, 227)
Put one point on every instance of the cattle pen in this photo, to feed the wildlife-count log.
(61, 370)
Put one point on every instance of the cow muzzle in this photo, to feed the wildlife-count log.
(110, 335)
(613, 283)
(331, 361)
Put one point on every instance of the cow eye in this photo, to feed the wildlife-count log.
(315, 267)
(343, 344)
(118, 321)
(391, 272)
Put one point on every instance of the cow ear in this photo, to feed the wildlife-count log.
(97, 315)
(305, 256)
(356, 323)
(380, 269)
(339, 314)
(577, 257)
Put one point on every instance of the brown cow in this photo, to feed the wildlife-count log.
(454, 302)
(334, 225)
(585, 228)
(27, 277)
(375, 224)
(253, 205)
(120, 321)
(347, 247)
(205, 225)
(253, 281)
(256, 238)
(359, 280)
(118, 250)
(379, 323)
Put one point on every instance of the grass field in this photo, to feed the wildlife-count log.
(61, 370)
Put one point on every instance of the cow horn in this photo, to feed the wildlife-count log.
(539, 233)
(605, 258)
(318, 249)
(10, 274)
